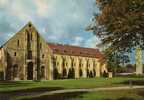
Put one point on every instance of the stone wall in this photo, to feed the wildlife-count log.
(24, 50)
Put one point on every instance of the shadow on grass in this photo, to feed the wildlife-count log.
(60, 96)
(6, 84)
(26, 92)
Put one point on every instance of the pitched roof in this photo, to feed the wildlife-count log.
(75, 50)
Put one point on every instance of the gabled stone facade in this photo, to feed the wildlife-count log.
(27, 56)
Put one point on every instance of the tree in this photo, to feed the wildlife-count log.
(120, 24)
(115, 60)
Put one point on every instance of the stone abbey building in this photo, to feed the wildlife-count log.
(27, 56)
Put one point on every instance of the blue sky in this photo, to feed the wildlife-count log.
(60, 21)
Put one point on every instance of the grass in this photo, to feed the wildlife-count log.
(68, 83)
(17, 88)
(136, 94)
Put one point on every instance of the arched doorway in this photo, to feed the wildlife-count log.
(15, 71)
(42, 72)
(30, 71)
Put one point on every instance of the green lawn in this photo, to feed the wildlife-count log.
(136, 94)
(69, 83)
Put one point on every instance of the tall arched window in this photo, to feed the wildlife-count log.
(18, 43)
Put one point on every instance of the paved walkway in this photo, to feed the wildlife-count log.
(88, 90)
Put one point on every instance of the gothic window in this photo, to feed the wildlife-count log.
(15, 54)
(28, 36)
(18, 43)
(43, 56)
(29, 54)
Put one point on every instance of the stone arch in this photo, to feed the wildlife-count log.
(55, 73)
(71, 73)
(64, 74)
(30, 71)
(105, 74)
(80, 72)
(88, 72)
(91, 73)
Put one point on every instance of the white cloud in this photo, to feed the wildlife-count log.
(78, 41)
(42, 7)
(57, 20)
(3, 3)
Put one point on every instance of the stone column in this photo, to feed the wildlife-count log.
(76, 67)
(50, 68)
(84, 68)
(98, 69)
(24, 72)
(139, 65)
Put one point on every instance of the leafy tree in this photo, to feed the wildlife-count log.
(119, 24)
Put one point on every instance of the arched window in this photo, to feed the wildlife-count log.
(18, 43)
(15, 53)
(29, 54)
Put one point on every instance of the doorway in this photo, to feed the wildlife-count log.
(30, 71)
